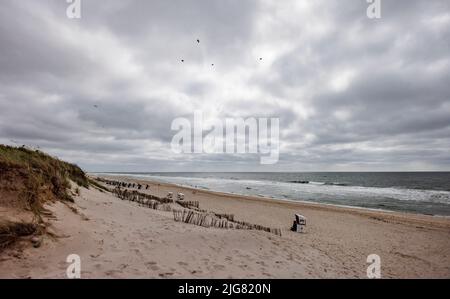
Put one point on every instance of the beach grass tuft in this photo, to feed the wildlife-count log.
(10, 232)
(28, 179)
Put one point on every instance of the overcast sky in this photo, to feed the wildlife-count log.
(351, 93)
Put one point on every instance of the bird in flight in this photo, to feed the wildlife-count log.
(198, 41)
(95, 106)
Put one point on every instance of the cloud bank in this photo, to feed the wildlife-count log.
(351, 93)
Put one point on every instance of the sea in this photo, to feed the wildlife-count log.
(414, 192)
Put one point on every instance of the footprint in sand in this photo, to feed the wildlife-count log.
(111, 272)
(261, 263)
(196, 272)
(219, 267)
(152, 266)
(137, 252)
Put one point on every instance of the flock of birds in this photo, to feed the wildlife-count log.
(97, 106)
(198, 42)
(182, 60)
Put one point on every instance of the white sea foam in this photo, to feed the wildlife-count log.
(415, 200)
(295, 190)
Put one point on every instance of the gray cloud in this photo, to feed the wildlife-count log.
(351, 93)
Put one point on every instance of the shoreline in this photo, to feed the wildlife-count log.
(441, 220)
(279, 197)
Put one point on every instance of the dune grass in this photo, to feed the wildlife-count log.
(42, 163)
(33, 178)
(11, 231)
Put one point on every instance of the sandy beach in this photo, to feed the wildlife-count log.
(297, 140)
(120, 239)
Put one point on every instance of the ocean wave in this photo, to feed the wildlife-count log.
(319, 183)
(336, 184)
(321, 190)
(336, 192)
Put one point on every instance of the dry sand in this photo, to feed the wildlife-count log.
(120, 239)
